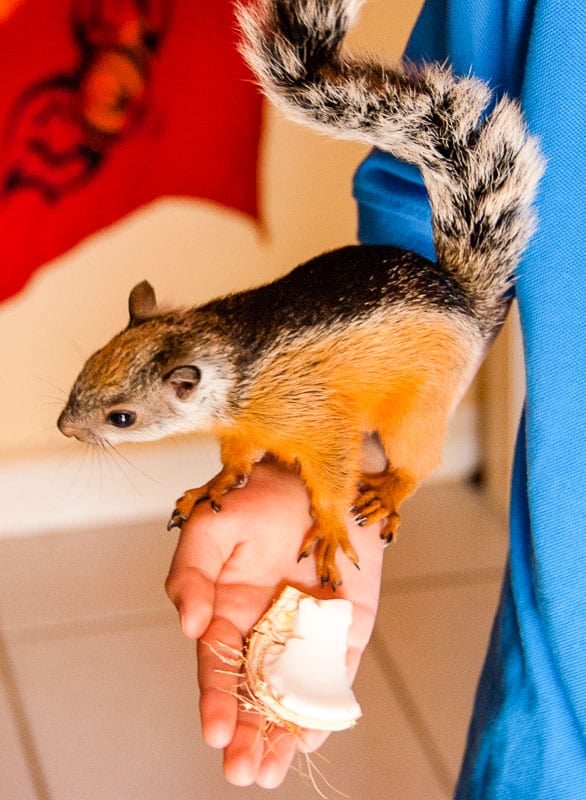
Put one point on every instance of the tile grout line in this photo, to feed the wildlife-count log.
(442, 580)
(413, 715)
(88, 626)
(21, 722)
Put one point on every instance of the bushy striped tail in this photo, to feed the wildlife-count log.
(481, 170)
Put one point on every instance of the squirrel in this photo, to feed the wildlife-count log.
(363, 340)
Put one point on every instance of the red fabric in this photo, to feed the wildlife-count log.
(106, 105)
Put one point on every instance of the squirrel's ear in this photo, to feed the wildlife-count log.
(142, 303)
(183, 381)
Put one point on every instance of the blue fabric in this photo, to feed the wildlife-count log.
(527, 738)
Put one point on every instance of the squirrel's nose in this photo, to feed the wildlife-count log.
(64, 424)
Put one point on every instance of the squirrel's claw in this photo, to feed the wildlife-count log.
(324, 544)
(176, 521)
(368, 506)
(376, 502)
(183, 508)
(390, 527)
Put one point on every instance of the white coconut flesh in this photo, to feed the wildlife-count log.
(296, 662)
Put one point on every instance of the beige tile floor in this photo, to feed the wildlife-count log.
(97, 686)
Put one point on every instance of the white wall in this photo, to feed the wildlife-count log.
(190, 250)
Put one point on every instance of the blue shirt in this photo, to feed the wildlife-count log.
(527, 739)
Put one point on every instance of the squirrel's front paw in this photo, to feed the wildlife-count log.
(213, 491)
(183, 507)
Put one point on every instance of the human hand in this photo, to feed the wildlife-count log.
(226, 571)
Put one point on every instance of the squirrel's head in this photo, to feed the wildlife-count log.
(167, 372)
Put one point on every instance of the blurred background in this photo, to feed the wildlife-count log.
(91, 659)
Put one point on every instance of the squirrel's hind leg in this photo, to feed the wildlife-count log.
(413, 445)
(379, 497)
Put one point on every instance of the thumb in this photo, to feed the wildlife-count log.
(191, 582)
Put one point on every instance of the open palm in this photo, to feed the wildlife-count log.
(227, 569)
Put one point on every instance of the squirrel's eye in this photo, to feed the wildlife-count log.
(121, 419)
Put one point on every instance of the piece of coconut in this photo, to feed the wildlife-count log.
(296, 663)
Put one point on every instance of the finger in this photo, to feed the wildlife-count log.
(192, 593)
(243, 754)
(280, 749)
(253, 753)
(309, 741)
(195, 567)
(219, 670)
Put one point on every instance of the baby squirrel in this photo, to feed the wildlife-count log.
(361, 340)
